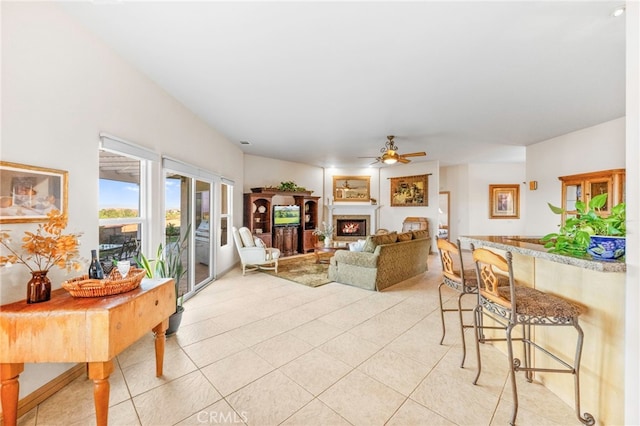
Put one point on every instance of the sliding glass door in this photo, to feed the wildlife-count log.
(188, 204)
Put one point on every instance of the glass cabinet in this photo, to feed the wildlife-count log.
(585, 186)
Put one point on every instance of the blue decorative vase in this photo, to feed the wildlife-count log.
(607, 248)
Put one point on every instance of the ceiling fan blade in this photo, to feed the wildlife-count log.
(375, 162)
(414, 154)
(367, 157)
(403, 160)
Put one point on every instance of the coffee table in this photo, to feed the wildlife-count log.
(320, 249)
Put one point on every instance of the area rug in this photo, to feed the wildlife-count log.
(302, 270)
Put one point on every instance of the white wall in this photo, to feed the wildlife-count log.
(469, 187)
(600, 147)
(61, 88)
(262, 171)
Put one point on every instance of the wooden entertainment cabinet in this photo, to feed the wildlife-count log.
(290, 239)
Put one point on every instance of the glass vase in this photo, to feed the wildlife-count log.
(327, 242)
(38, 287)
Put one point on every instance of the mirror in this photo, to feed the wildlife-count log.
(443, 215)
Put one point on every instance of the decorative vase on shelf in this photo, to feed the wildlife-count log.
(38, 287)
(327, 242)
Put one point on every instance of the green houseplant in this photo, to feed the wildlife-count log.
(168, 263)
(579, 235)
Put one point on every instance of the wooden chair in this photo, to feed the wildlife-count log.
(514, 305)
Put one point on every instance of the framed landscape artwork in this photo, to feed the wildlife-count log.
(410, 191)
(28, 193)
(504, 201)
(351, 188)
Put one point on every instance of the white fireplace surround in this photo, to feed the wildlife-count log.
(354, 210)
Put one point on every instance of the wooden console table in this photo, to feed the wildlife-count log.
(91, 330)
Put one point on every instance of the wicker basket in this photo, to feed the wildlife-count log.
(114, 284)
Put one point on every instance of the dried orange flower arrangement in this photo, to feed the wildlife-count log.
(45, 248)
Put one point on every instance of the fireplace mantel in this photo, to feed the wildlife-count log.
(356, 209)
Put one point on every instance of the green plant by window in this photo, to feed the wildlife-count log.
(168, 263)
(574, 237)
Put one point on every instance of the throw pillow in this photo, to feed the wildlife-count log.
(419, 234)
(369, 245)
(246, 237)
(356, 245)
(405, 236)
(258, 242)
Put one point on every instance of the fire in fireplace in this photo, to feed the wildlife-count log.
(351, 228)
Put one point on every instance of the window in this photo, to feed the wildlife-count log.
(122, 215)
(226, 192)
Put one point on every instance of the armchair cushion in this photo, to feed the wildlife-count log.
(246, 237)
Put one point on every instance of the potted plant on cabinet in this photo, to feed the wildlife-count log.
(169, 264)
(589, 232)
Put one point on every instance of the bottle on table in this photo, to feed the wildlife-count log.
(95, 269)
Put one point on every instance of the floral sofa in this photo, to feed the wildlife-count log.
(384, 261)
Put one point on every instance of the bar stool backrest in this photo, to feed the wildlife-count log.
(487, 265)
(451, 258)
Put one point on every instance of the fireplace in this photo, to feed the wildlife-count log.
(351, 227)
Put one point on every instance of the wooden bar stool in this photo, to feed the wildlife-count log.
(464, 282)
(511, 306)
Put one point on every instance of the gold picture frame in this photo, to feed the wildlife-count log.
(29, 193)
(351, 188)
(410, 191)
(504, 201)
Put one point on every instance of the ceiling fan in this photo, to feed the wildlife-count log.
(390, 154)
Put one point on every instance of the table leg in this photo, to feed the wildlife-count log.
(99, 372)
(9, 374)
(159, 332)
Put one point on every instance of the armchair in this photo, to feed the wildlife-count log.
(253, 254)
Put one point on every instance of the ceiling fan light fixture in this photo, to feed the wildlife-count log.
(390, 157)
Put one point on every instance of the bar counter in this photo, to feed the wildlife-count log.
(599, 288)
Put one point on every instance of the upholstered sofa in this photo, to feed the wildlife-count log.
(384, 261)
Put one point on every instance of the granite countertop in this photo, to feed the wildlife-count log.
(531, 246)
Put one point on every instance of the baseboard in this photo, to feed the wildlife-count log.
(32, 400)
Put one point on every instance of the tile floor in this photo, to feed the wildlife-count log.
(260, 350)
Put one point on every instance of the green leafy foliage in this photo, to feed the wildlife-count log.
(575, 236)
(168, 263)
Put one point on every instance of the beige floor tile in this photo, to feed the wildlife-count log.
(144, 351)
(362, 400)
(212, 349)
(412, 413)
(316, 371)
(29, 418)
(176, 400)
(460, 402)
(141, 377)
(394, 370)
(74, 403)
(269, 400)
(316, 332)
(281, 349)
(316, 413)
(350, 349)
(235, 371)
(417, 345)
(219, 413)
(201, 330)
(528, 417)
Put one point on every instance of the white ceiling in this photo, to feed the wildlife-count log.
(323, 83)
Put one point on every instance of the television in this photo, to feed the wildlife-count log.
(286, 215)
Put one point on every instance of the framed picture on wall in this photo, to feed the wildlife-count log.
(410, 191)
(29, 193)
(351, 188)
(504, 201)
